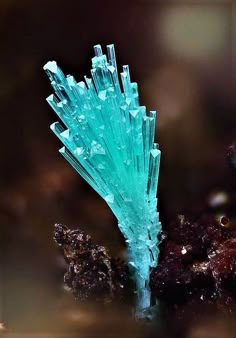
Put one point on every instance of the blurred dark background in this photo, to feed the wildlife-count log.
(181, 55)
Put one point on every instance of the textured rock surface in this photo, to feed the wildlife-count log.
(92, 273)
(197, 266)
(197, 263)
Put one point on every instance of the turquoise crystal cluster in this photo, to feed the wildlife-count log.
(108, 138)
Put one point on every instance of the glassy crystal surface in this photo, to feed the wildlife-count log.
(108, 138)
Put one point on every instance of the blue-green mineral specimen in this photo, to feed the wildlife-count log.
(108, 138)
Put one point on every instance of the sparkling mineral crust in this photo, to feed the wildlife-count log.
(197, 262)
(196, 272)
(92, 273)
(108, 138)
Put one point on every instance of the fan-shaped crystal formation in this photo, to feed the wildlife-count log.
(109, 139)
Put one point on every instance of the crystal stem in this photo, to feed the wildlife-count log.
(141, 278)
(143, 299)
